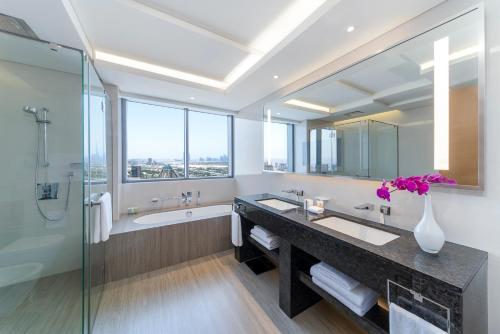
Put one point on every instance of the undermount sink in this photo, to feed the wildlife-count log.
(365, 233)
(278, 204)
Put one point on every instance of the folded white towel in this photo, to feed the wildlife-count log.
(316, 209)
(262, 231)
(361, 296)
(334, 275)
(236, 235)
(403, 321)
(271, 242)
(361, 311)
(267, 237)
(269, 246)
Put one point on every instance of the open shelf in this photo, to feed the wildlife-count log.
(273, 255)
(375, 321)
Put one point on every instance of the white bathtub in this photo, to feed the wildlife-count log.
(185, 215)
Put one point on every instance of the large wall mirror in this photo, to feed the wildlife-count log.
(412, 109)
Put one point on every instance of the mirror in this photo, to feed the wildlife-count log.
(412, 109)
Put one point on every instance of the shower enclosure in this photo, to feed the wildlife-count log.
(53, 153)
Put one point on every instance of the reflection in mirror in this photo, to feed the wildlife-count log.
(412, 109)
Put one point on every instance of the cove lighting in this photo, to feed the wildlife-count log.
(307, 105)
(277, 32)
(441, 104)
(293, 16)
(467, 52)
(156, 69)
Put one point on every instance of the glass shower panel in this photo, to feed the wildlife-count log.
(41, 212)
(383, 150)
(352, 149)
(97, 184)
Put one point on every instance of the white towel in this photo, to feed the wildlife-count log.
(334, 275)
(102, 218)
(236, 235)
(268, 245)
(264, 236)
(262, 231)
(403, 322)
(361, 311)
(360, 296)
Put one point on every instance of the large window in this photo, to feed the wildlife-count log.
(156, 139)
(278, 147)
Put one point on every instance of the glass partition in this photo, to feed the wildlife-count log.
(41, 198)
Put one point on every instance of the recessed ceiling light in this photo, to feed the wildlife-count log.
(307, 105)
(350, 29)
(278, 113)
(191, 98)
(275, 76)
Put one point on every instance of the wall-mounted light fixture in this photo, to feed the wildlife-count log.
(441, 104)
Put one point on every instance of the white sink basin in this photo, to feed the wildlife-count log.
(358, 231)
(278, 204)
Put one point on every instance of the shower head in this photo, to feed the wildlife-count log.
(34, 111)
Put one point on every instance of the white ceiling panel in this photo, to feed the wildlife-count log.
(238, 20)
(120, 29)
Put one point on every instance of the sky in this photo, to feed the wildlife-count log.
(158, 132)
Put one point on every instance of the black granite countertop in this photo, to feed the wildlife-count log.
(455, 264)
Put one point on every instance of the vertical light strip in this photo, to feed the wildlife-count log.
(268, 135)
(441, 105)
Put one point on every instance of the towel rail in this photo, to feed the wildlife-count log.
(93, 203)
(420, 298)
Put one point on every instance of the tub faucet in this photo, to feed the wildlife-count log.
(187, 197)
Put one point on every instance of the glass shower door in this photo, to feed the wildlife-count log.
(41, 211)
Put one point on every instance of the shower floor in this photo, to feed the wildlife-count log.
(54, 305)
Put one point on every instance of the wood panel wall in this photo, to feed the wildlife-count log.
(464, 136)
(138, 252)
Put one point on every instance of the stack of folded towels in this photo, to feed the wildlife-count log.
(345, 289)
(264, 237)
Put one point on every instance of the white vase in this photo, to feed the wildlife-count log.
(428, 234)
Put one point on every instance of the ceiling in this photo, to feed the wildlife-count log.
(213, 40)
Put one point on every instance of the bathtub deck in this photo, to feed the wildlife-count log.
(214, 294)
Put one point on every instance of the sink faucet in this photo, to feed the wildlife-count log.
(365, 206)
(298, 193)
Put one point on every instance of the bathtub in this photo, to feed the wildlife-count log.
(185, 215)
(142, 244)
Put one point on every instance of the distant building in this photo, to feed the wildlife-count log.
(135, 171)
(150, 161)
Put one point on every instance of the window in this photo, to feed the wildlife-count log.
(278, 147)
(209, 144)
(156, 139)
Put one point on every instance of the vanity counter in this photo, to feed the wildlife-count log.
(455, 277)
(455, 264)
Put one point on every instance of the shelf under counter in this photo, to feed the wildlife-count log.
(375, 321)
(272, 255)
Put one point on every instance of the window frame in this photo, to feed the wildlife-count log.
(230, 153)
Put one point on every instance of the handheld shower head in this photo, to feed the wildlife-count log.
(35, 112)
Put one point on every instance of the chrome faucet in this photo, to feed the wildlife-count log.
(187, 197)
(296, 192)
(365, 206)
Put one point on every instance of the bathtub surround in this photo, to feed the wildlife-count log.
(135, 248)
